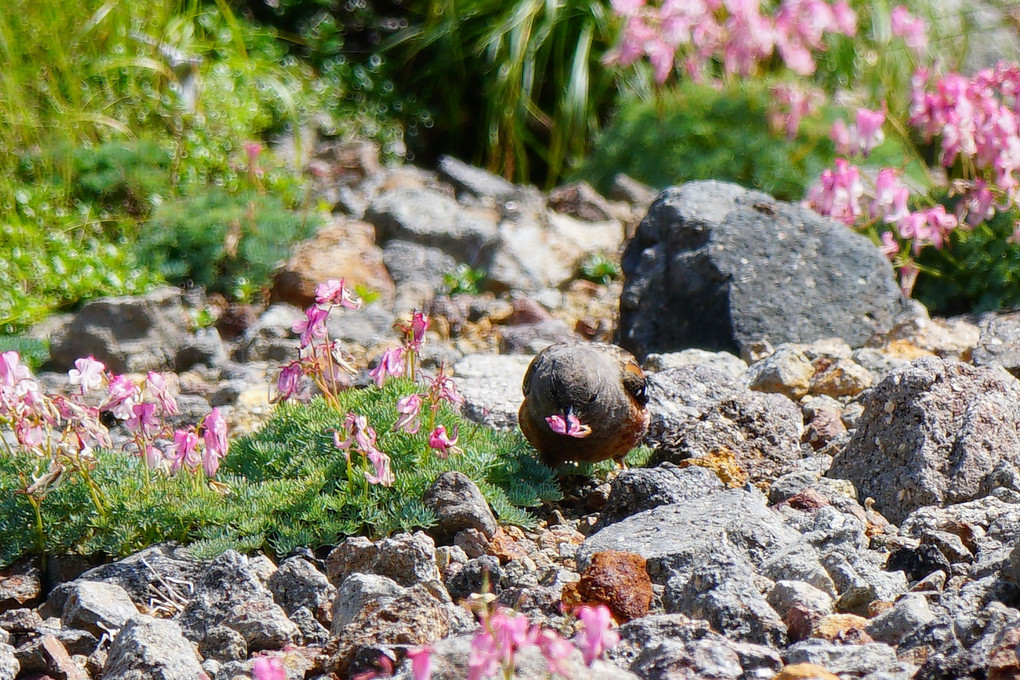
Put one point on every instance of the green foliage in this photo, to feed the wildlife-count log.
(287, 486)
(109, 109)
(699, 132)
(521, 82)
(463, 279)
(34, 353)
(129, 175)
(977, 271)
(598, 268)
(223, 242)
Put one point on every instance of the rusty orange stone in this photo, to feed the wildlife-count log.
(616, 579)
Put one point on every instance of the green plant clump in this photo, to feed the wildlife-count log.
(977, 271)
(697, 132)
(286, 486)
(34, 353)
(221, 241)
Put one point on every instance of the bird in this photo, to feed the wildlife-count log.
(585, 402)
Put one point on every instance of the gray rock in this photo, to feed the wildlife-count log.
(843, 660)
(628, 189)
(357, 592)
(271, 338)
(733, 366)
(230, 593)
(532, 338)
(877, 362)
(902, 619)
(580, 201)
(450, 662)
(9, 666)
(479, 575)
(711, 266)
(202, 348)
(367, 326)
(723, 590)
(761, 431)
(676, 538)
(862, 580)
(412, 262)
(544, 251)
(788, 594)
(97, 607)
(405, 558)
(151, 649)
(159, 574)
(799, 561)
(491, 387)
(312, 631)
(932, 433)
(670, 659)
(459, 504)
(999, 343)
(678, 396)
(223, 644)
(475, 181)
(422, 614)
(641, 489)
(786, 371)
(130, 334)
(298, 583)
(432, 219)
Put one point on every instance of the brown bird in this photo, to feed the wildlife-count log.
(583, 401)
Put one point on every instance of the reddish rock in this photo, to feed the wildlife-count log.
(616, 579)
(825, 426)
(20, 584)
(342, 249)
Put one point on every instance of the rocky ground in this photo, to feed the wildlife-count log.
(833, 491)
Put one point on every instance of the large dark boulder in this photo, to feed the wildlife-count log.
(716, 266)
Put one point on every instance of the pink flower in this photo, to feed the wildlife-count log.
(845, 18)
(143, 420)
(421, 662)
(627, 8)
(289, 381)
(88, 373)
(419, 324)
(334, 292)
(914, 228)
(312, 327)
(155, 383)
(442, 388)
(838, 193)
(442, 443)
(484, 658)
(941, 224)
(12, 370)
(790, 104)
(183, 452)
(840, 136)
(381, 462)
(408, 408)
(122, 395)
(391, 363)
(511, 632)
(556, 651)
(152, 456)
(890, 197)
(980, 203)
(569, 426)
(269, 669)
(890, 247)
(215, 436)
(869, 129)
(596, 634)
(913, 30)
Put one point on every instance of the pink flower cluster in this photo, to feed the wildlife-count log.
(735, 32)
(321, 359)
(440, 388)
(790, 103)
(361, 438)
(398, 361)
(861, 136)
(976, 121)
(504, 633)
(67, 428)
